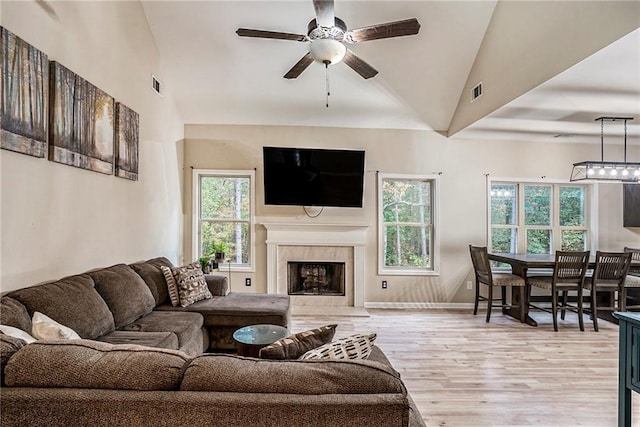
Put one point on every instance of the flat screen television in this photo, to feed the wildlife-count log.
(631, 205)
(313, 177)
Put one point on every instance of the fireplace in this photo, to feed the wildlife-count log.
(316, 278)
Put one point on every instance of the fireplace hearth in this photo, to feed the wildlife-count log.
(316, 278)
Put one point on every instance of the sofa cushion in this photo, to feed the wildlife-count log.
(92, 364)
(353, 347)
(224, 373)
(240, 309)
(72, 301)
(13, 313)
(296, 345)
(8, 347)
(186, 326)
(126, 294)
(167, 340)
(153, 277)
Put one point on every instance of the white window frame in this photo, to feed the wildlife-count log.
(591, 214)
(435, 208)
(195, 222)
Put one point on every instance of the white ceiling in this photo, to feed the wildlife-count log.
(217, 77)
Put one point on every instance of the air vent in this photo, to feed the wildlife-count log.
(476, 92)
(156, 85)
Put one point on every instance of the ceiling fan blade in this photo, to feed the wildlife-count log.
(300, 66)
(262, 34)
(407, 27)
(324, 13)
(358, 65)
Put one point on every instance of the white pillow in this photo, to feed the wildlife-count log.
(17, 333)
(45, 328)
(353, 347)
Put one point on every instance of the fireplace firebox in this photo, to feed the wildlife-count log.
(316, 278)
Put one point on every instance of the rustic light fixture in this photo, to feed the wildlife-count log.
(604, 170)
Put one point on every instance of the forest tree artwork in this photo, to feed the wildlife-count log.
(24, 83)
(82, 122)
(127, 125)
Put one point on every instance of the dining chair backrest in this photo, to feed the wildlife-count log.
(611, 266)
(480, 260)
(635, 253)
(570, 266)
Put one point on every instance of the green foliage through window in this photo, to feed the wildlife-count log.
(407, 223)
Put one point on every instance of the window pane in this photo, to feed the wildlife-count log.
(573, 240)
(537, 205)
(407, 246)
(572, 206)
(538, 241)
(406, 201)
(234, 235)
(503, 240)
(224, 197)
(504, 204)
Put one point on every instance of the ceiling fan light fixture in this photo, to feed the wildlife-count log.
(327, 51)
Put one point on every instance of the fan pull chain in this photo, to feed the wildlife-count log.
(326, 68)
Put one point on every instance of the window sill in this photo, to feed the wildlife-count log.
(408, 273)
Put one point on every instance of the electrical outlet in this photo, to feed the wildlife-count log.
(247, 281)
(469, 284)
(384, 284)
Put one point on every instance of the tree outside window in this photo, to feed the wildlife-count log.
(553, 216)
(406, 223)
(224, 215)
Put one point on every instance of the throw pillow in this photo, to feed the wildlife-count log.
(170, 276)
(17, 333)
(192, 286)
(45, 328)
(296, 345)
(9, 345)
(353, 347)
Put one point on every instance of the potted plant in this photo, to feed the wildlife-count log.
(205, 263)
(219, 250)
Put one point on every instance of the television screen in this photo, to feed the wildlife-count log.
(631, 205)
(313, 177)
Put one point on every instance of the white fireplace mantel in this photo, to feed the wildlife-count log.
(305, 234)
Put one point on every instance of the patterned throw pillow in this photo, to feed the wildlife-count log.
(353, 347)
(191, 285)
(172, 286)
(296, 345)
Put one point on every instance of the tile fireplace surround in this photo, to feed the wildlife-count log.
(322, 243)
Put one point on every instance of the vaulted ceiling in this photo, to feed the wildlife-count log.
(547, 68)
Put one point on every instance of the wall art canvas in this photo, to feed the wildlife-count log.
(82, 122)
(127, 131)
(24, 83)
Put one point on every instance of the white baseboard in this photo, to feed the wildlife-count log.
(419, 305)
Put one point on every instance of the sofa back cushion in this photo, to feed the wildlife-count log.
(13, 313)
(93, 364)
(124, 291)
(224, 373)
(153, 277)
(71, 301)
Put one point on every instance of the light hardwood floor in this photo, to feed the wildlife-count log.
(462, 371)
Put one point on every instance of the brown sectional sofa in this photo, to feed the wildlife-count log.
(140, 362)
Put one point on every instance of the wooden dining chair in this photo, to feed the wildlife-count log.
(569, 271)
(609, 275)
(483, 274)
(633, 280)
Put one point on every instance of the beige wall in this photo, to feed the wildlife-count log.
(462, 204)
(59, 220)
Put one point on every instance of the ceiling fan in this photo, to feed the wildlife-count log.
(328, 34)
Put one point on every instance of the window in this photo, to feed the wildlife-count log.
(223, 213)
(407, 224)
(538, 218)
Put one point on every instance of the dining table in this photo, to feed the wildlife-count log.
(520, 264)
